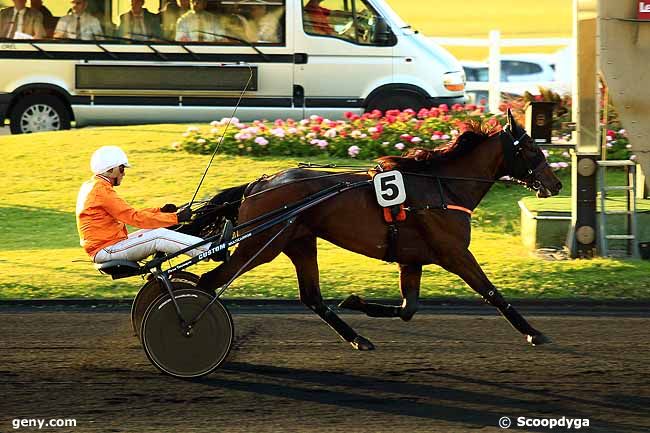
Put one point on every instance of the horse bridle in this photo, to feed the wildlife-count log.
(518, 165)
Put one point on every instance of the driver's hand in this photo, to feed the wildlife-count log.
(169, 208)
(184, 214)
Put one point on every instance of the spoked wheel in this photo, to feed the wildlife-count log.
(152, 289)
(181, 351)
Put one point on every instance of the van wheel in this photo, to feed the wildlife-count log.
(397, 101)
(37, 113)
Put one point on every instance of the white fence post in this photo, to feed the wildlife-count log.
(494, 71)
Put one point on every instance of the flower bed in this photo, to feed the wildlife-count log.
(368, 136)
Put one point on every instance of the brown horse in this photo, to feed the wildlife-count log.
(439, 184)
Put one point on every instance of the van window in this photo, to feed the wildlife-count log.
(513, 67)
(350, 20)
(188, 21)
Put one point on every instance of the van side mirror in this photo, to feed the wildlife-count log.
(382, 34)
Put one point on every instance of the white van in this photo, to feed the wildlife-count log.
(120, 62)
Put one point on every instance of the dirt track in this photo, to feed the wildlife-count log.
(288, 372)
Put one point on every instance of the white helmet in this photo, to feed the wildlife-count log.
(106, 158)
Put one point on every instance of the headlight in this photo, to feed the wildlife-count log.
(454, 81)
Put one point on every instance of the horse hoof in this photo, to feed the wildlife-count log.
(352, 302)
(361, 343)
(539, 339)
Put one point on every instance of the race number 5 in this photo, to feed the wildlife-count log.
(389, 188)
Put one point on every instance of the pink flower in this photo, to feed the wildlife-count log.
(278, 132)
(353, 151)
(330, 133)
(436, 137)
(261, 141)
(278, 122)
(416, 140)
(400, 146)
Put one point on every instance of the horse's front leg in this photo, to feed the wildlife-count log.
(409, 284)
(465, 266)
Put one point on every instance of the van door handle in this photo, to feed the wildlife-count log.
(300, 58)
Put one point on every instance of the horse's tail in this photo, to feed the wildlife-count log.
(208, 218)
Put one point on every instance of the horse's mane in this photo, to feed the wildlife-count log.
(418, 158)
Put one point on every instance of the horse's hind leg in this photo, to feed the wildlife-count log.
(409, 279)
(303, 255)
(465, 266)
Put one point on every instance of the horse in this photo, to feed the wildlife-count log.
(443, 186)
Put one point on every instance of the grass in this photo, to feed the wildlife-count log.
(40, 256)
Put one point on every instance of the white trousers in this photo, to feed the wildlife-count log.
(143, 243)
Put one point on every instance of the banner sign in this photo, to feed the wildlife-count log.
(644, 10)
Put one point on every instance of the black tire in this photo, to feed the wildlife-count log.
(151, 290)
(397, 101)
(185, 353)
(37, 113)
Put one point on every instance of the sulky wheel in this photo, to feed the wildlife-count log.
(182, 352)
(152, 289)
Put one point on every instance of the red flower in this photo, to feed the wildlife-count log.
(443, 107)
(317, 129)
(390, 118)
(434, 112)
(457, 107)
(611, 133)
(393, 113)
(423, 113)
(470, 107)
(406, 137)
(349, 115)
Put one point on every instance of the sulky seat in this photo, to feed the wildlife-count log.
(119, 268)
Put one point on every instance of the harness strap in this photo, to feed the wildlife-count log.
(460, 208)
(391, 250)
(445, 207)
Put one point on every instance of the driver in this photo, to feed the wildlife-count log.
(102, 217)
(317, 18)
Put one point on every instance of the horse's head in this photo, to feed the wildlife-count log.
(525, 161)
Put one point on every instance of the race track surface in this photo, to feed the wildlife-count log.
(445, 371)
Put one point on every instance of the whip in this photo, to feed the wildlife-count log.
(216, 149)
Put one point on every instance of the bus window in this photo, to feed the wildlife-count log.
(253, 21)
(350, 20)
(136, 20)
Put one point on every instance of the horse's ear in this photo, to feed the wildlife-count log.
(510, 119)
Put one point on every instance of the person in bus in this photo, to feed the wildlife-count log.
(49, 20)
(139, 24)
(170, 13)
(21, 22)
(317, 18)
(102, 217)
(198, 25)
(260, 23)
(79, 24)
